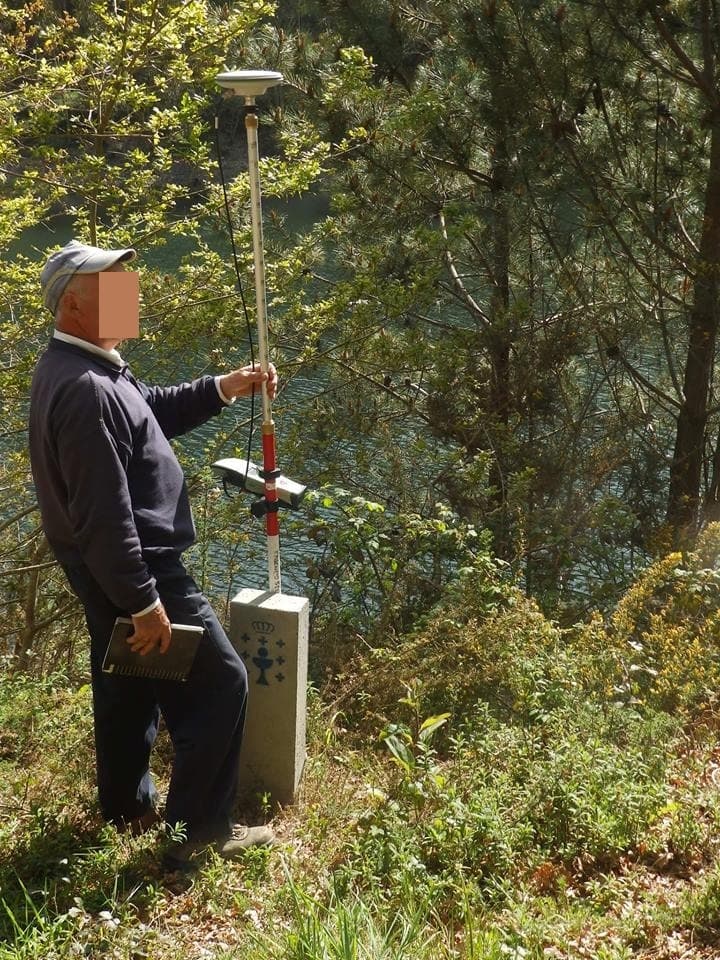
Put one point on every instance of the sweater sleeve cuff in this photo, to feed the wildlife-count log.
(226, 400)
(153, 605)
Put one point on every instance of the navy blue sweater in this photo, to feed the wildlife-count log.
(111, 491)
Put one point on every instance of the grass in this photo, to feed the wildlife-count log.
(455, 857)
(542, 815)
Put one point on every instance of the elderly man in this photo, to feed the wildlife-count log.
(115, 510)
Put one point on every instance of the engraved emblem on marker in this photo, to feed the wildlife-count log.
(263, 659)
(263, 662)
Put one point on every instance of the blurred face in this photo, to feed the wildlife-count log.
(103, 308)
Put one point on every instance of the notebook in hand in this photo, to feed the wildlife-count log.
(174, 664)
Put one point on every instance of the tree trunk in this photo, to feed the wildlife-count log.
(497, 339)
(686, 470)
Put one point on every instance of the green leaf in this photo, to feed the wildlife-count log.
(432, 724)
(401, 753)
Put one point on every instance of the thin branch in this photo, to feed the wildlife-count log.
(647, 384)
(410, 14)
(465, 296)
(609, 126)
(33, 535)
(692, 68)
(685, 235)
(184, 304)
(379, 385)
(475, 175)
(431, 321)
(393, 174)
(17, 516)
(708, 52)
(663, 67)
(55, 616)
(51, 183)
(613, 227)
(668, 351)
(35, 566)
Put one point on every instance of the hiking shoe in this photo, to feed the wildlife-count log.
(242, 838)
(183, 856)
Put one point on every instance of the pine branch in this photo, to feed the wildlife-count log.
(465, 296)
(698, 75)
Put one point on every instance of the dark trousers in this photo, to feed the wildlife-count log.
(204, 715)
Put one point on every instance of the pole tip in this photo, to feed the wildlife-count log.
(248, 83)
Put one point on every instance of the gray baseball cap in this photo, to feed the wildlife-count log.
(75, 258)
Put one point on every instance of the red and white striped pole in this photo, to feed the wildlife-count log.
(270, 470)
(250, 84)
(269, 629)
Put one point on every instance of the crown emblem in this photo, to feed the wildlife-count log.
(262, 626)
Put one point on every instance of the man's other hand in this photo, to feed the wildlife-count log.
(151, 630)
(240, 382)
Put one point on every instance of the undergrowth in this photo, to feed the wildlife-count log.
(486, 786)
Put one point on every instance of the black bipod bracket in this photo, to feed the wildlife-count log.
(270, 474)
(262, 506)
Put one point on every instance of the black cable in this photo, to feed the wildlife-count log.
(242, 294)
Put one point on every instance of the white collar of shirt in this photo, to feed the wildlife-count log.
(112, 355)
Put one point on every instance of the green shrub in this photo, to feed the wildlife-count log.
(582, 786)
(485, 641)
(376, 573)
(700, 907)
(661, 647)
